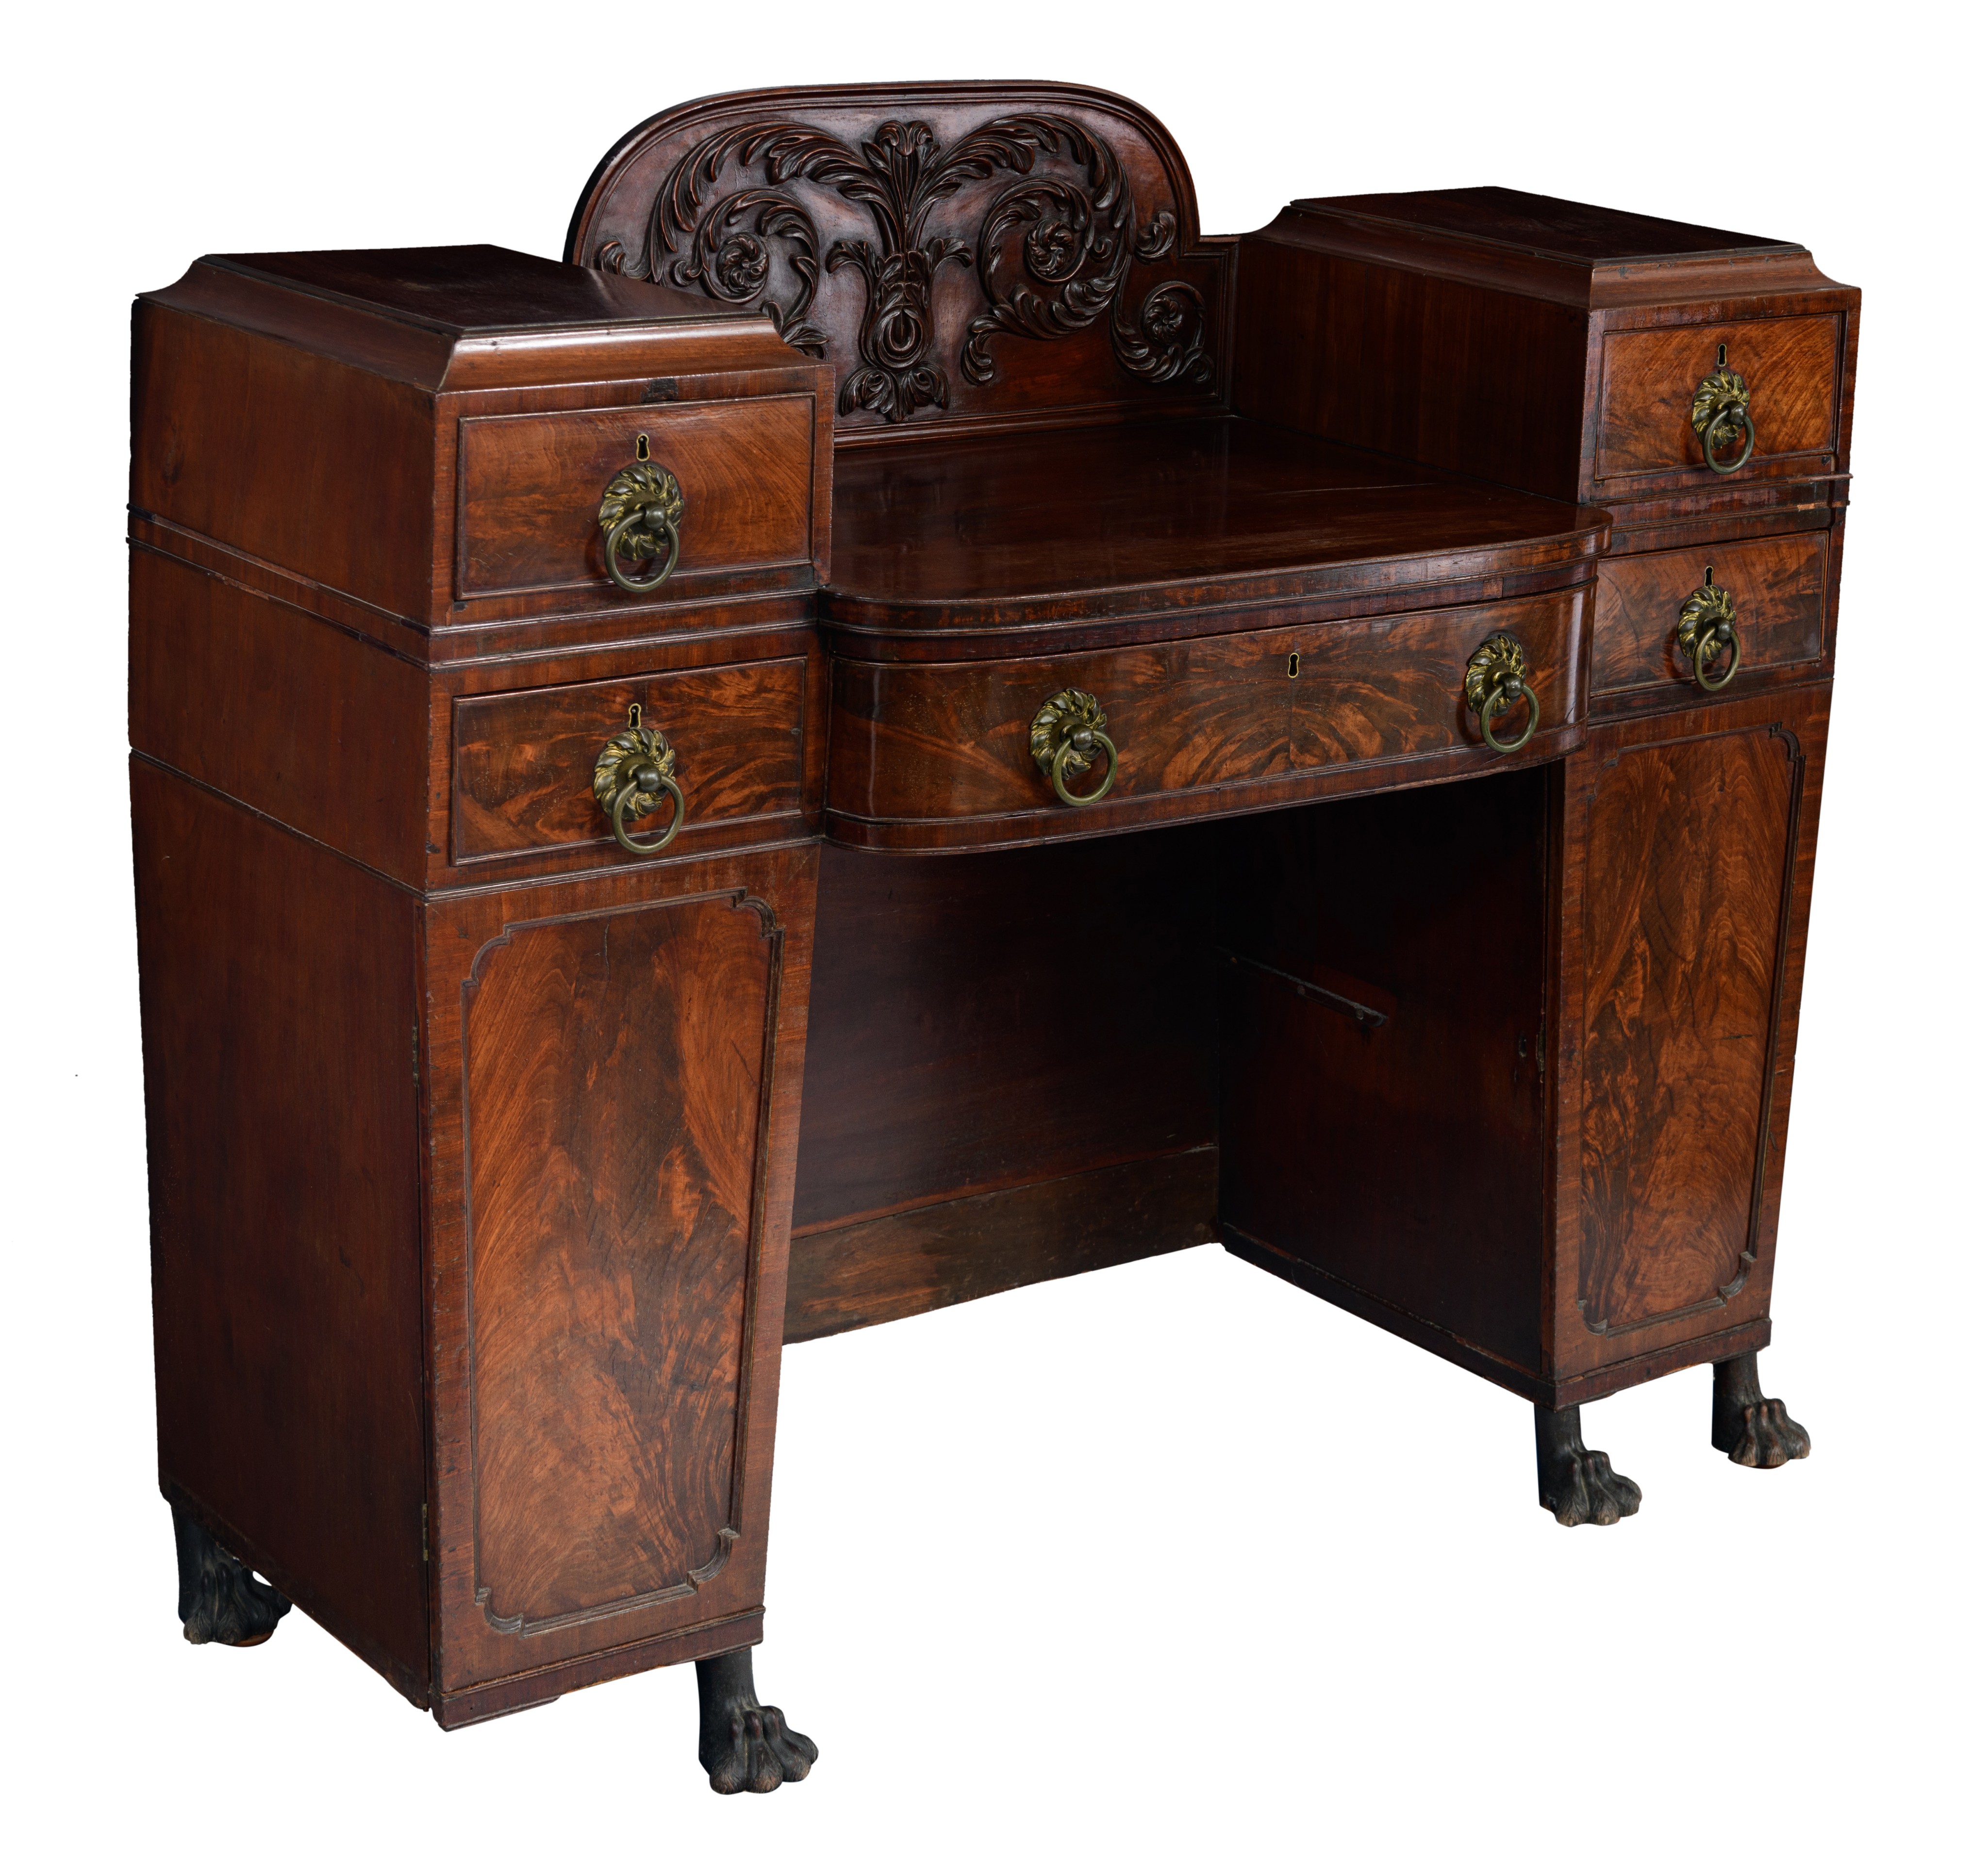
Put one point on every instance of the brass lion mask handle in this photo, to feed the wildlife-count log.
(1705, 624)
(640, 514)
(1494, 680)
(633, 775)
(1720, 414)
(1066, 736)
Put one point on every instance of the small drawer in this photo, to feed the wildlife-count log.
(531, 487)
(1779, 589)
(524, 761)
(1198, 725)
(1649, 379)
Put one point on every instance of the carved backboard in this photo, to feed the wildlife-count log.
(966, 255)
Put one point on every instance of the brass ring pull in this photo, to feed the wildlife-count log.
(633, 775)
(641, 513)
(1720, 416)
(1493, 681)
(1705, 627)
(652, 521)
(1065, 737)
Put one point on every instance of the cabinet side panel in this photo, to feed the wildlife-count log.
(311, 464)
(1432, 370)
(279, 999)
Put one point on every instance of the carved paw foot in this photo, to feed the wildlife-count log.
(220, 1600)
(1578, 1485)
(1751, 1430)
(743, 1743)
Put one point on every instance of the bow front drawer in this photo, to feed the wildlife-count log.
(736, 478)
(1006, 750)
(712, 758)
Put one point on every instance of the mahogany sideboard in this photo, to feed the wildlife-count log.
(905, 723)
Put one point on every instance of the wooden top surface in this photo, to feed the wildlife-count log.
(1114, 521)
(1543, 225)
(476, 290)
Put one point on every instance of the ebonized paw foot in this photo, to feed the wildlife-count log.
(1575, 1484)
(743, 1743)
(1749, 1430)
(220, 1600)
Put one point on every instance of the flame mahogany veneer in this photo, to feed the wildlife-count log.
(491, 1165)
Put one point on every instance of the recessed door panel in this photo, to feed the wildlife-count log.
(616, 1068)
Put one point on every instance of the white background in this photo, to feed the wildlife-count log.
(1171, 1566)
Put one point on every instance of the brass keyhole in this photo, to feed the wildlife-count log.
(642, 437)
(1708, 575)
(635, 715)
(1722, 354)
(1294, 669)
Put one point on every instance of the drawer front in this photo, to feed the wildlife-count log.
(530, 490)
(1648, 379)
(1779, 598)
(1201, 725)
(523, 761)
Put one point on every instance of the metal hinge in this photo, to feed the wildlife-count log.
(417, 1052)
(425, 1532)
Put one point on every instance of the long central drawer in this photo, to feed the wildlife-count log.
(939, 755)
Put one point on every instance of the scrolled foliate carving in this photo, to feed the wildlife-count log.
(1053, 253)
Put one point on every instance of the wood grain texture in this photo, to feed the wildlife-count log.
(1796, 719)
(1780, 592)
(1412, 364)
(1648, 379)
(524, 759)
(937, 755)
(610, 1256)
(531, 487)
(940, 1255)
(1025, 538)
(261, 700)
(1689, 849)
(615, 1074)
(950, 994)
(278, 990)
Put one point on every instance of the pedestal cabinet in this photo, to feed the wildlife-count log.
(1312, 740)
(472, 1130)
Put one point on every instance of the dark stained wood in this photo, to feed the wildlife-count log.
(1687, 843)
(942, 551)
(1394, 1155)
(615, 1069)
(261, 701)
(302, 412)
(1070, 207)
(531, 489)
(525, 758)
(280, 999)
(578, 1321)
(1688, 850)
(1780, 591)
(1494, 332)
(1417, 366)
(951, 996)
(888, 1266)
(480, 1149)
(1648, 379)
(926, 755)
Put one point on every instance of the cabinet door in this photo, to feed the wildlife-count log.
(626, 1150)
(1694, 836)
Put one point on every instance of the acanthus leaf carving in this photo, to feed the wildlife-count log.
(1053, 255)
